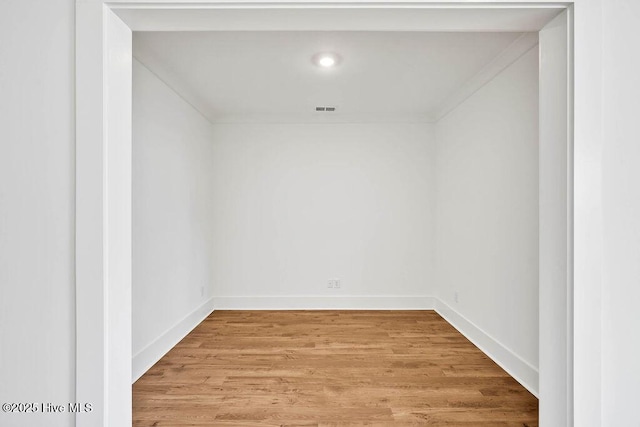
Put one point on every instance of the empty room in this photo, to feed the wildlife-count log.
(323, 219)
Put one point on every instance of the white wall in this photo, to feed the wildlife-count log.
(37, 151)
(172, 211)
(621, 214)
(487, 215)
(298, 204)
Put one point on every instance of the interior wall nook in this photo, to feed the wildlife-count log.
(103, 227)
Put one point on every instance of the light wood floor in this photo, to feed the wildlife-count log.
(329, 368)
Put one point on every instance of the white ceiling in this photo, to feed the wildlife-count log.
(270, 74)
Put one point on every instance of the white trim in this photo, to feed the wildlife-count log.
(191, 102)
(570, 215)
(555, 228)
(333, 4)
(117, 161)
(320, 302)
(514, 365)
(103, 216)
(519, 369)
(511, 54)
(299, 16)
(148, 356)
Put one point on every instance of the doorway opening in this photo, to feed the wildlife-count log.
(555, 61)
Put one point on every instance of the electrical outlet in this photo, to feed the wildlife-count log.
(330, 283)
(455, 296)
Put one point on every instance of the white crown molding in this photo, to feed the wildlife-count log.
(511, 54)
(525, 42)
(179, 89)
(311, 117)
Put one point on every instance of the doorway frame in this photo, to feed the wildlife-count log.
(103, 191)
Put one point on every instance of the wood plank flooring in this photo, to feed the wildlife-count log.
(329, 368)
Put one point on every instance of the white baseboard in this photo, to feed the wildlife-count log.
(519, 369)
(381, 302)
(522, 371)
(149, 355)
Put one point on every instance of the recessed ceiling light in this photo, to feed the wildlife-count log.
(326, 60)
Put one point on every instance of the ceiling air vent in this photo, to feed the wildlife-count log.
(326, 109)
